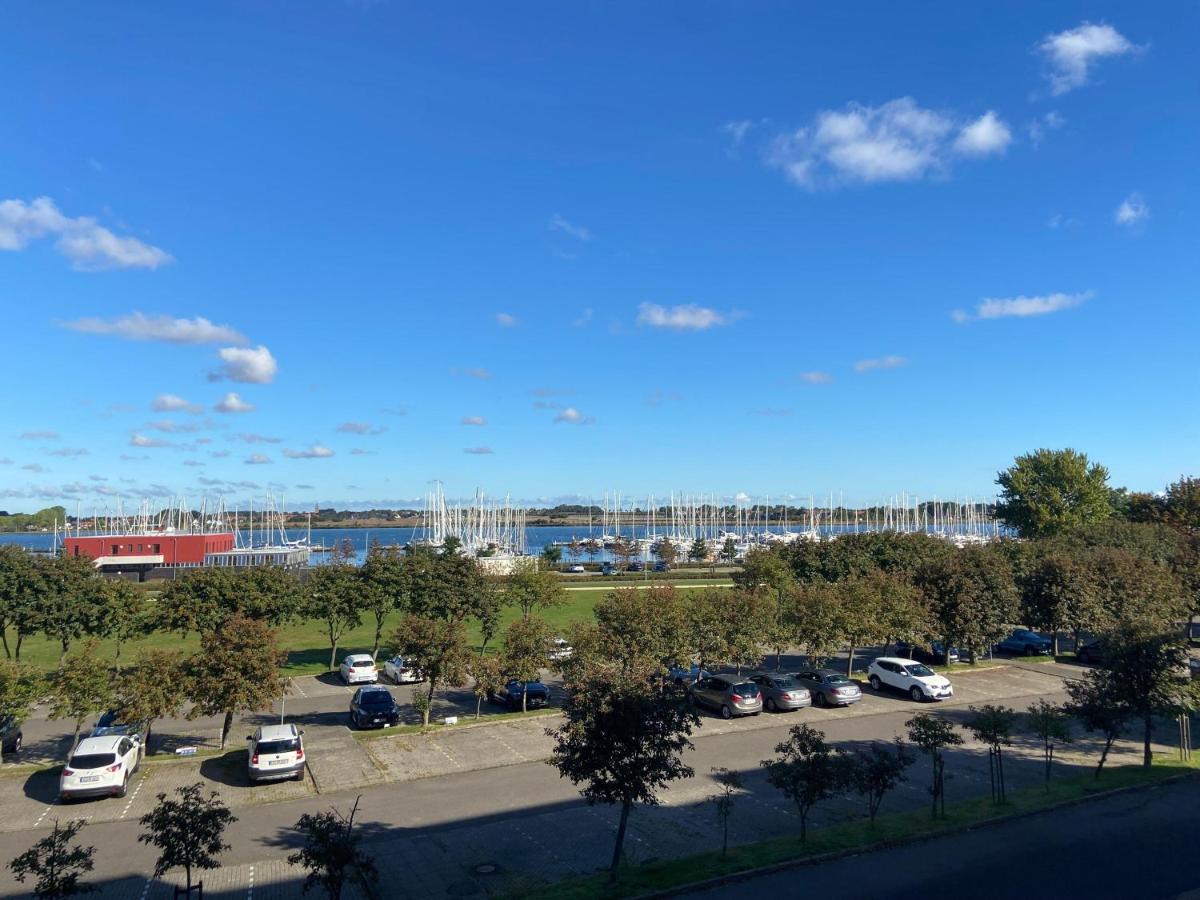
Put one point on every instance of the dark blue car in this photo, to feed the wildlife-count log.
(373, 706)
(1023, 642)
(535, 693)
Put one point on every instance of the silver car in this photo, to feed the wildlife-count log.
(276, 751)
(829, 688)
(729, 697)
(782, 692)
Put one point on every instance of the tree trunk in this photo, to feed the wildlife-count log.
(525, 697)
(478, 704)
(187, 868)
(4, 639)
(616, 858)
(20, 640)
(1108, 742)
(428, 705)
(378, 633)
(803, 825)
(66, 646)
(850, 663)
(226, 727)
(1054, 642)
(1146, 734)
(332, 655)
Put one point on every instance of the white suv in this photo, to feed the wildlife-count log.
(100, 767)
(276, 751)
(400, 672)
(913, 678)
(359, 668)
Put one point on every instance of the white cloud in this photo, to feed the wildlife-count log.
(316, 451)
(1133, 209)
(141, 327)
(193, 463)
(89, 245)
(233, 403)
(257, 459)
(36, 468)
(584, 318)
(140, 440)
(69, 451)
(251, 438)
(687, 317)
(883, 362)
(1021, 307)
(361, 428)
(359, 451)
(898, 141)
(579, 232)
(816, 377)
(249, 365)
(571, 416)
(737, 130)
(986, 135)
(172, 427)
(1038, 127)
(1072, 53)
(478, 451)
(174, 403)
(504, 320)
(218, 454)
(473, 420)
(39, 436)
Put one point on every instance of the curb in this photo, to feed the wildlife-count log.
(784, 865)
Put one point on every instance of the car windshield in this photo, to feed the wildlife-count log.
(786, 683)
(919, 671)
(92, 760)
(289, 745)
(834, 678)
(749, 688)
(376, 698)
(361, 663)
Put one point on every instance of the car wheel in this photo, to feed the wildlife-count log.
(16, 747)
(726, 712)
(124, 789)
(819, 698)
(916, 694)
(771, 707)
(876, 684)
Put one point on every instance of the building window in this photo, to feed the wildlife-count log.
(116, 549)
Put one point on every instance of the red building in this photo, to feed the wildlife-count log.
(117, 552)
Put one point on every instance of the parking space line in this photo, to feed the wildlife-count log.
(299, 690)
(503, 743)
(45, 812)
(136, 791)
(545, 847)
(445, 754)
(146, 889)
(250, 889)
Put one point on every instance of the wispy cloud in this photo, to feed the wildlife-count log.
(316, 451)
(478, 451)
(138, 326)
(175, 403)
(1133, 209)
(36, 468)
(1021, 307)
(897, 141)
(89, 245)
(361, 428)
(584, 317)
(170, 426)
(883, 362)
(38, 436)
(772, 413)
(360, 451)
(816, 377)
(252, 438)
(194, 463)
(257, 459)
(232, 402)
(140, 440)
(571, 416)
(473, 420)
(219, 454)
(686, 317)
(1038, 127)
(1071, 54)
(658, 396)
(248, 365)
(579, 232)
(505, 320)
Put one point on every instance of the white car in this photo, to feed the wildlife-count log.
(100, 767)
(560, 650)
(576, 569)
(398, 671)
(913, 678)
(359, 668)
(276, 751)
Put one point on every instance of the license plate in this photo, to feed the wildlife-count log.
(87, 778)
(277, 762)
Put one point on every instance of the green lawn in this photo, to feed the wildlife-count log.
(305, 642)
(855, 836)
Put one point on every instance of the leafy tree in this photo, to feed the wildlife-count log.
(20, 688)
(1052, 725)
(875, 772)
(383, 588)
(445, 585)
(1051, 491)
(817, 620)
(18, 596)
(729, 550)
(1097, 704)
(1059, 593)
(972, 597)
(638, 632)
(55, 863)
(863, 609)
(992, 725)
(125, 614)
(331, 597)
(69, 599)
(932, 736)
(526, 651)
(552, 555)
(332, 852)
(698, 552)
(206, 598)
(1183, 504)
(1136, 592)
(854, 555)
(623, 741)
(623, 551)
(729, 782)
(744, 615)
(487, 677)
(765, 570)
(155, 688)
(82, 687)
(187, 831)
(666, 551)
(236, 669)
(708, 630)
(438, 648)
(806, 771)
(529, 586)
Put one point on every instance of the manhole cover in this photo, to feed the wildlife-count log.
(485, 869)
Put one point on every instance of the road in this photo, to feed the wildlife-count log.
(1140, 844)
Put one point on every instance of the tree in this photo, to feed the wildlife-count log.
(20, 688)
(1052, 725)
(708, 626)
(932, 736)
(666, 551)
(447, 585)
(551, 555)
(698, 552)
(438, 648)
(526, 651)
(992, 725)
(1096, 704)
(806, 771)
(1182, 504)
(874, 772)
(767, 571)
(729, 782)
(124, 613)
(623, 741)
(383, 588)
(18, 597)
(82, 687)
(155, 688)
(236, 669)
(331, 597)
(188, 831)
(623, 551)
(487, 677)
(817, 620)
(863, 609)
(1048, 492)
(729, 550)
(744, 616)
(69, 599)
(55, 863)
(332, 853)
(529, 586)
(207, 597)
(972, 598)
(1059, 593)
(640, 633)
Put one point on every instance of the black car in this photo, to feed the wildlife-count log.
(935, 653)
(662, 566)
(373, 706)
(10, 735)
(1024, 642)
(112, 723)
(536, 694)
(1091, 653)
(636, 567)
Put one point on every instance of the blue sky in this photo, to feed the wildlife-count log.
(557, 249)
